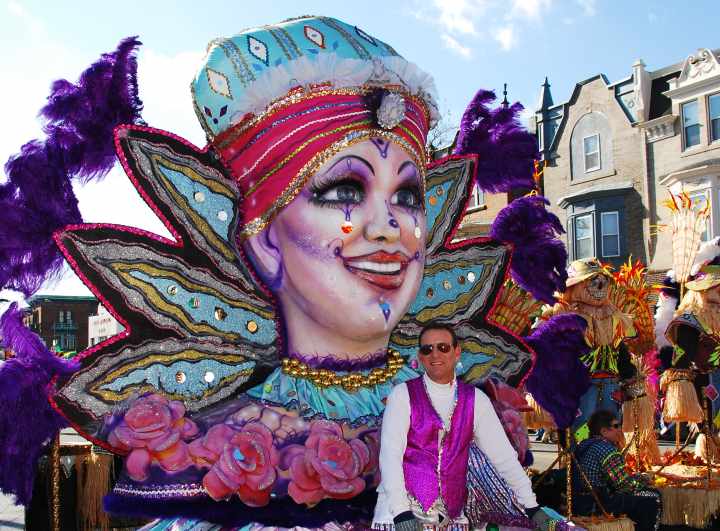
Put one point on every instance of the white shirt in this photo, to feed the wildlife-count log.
(488, 434)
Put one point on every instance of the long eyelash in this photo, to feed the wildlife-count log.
(321, 185)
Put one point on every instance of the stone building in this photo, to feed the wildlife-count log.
(614, 149)
(61, 321)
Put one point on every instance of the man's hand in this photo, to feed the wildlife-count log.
(407, 522)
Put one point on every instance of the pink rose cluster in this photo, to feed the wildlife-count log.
(241, 462)
(154, 429)
(328, 466)
(244, 461)
(509, 403)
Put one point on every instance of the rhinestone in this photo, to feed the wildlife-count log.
(222, 215)
(194, 302)
(220, 314)
(180, 377)
(430, 292)
(439, 190)
(252, 327)
(432, 200)
(471, 276)
(446, 284)
(461, 279)
(199, 197)
(418, 232)
(267, 388)
(172, 290)
(209, 377)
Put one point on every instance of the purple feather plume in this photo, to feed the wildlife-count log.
(27, 420)
(559, 379)
(37, 199)
(505, 149)
(539, 257)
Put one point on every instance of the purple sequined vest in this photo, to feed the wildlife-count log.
(424, 458)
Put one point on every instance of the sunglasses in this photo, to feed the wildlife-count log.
(428, 348)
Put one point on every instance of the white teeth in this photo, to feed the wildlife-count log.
(377, 267)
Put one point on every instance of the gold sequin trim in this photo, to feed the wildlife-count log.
(257, 224)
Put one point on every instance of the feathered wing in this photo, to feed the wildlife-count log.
(461, 283)
(198, 326)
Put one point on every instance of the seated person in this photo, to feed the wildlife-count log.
(429, 427)
(604, 467)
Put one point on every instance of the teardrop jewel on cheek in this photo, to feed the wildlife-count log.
(418, 232)
(347, 227)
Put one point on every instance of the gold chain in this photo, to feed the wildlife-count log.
(350, 382)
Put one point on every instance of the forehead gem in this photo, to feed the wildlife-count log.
(391, 111)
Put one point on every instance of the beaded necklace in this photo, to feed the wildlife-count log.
(352, 381)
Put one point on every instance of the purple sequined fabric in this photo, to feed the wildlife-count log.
(420, 461)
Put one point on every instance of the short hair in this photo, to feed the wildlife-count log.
(435, 325)
(602, 418)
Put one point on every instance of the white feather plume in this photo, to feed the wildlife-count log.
(707, 252)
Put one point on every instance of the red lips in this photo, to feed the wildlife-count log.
(382, 269)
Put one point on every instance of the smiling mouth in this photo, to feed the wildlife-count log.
(382, 269)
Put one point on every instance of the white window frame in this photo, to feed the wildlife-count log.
(710, 118)
(477, 199)
(585, 154)
(684, 127)
(591, 215)
(603, 235)
(707, 192)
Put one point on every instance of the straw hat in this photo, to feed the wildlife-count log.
(708, 277)
(585, 269)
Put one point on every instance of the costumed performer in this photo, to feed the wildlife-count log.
(695, 334)
(604, 468)
(435, 427)
(588, 295)
(312, 240)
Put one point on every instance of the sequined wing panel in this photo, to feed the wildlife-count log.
(461, 283)
(213, 327)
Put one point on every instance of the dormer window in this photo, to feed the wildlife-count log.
(714, 107)
(591, 152)
(691, 124)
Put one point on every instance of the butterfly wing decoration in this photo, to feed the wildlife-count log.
(198, 326)
(461, 282)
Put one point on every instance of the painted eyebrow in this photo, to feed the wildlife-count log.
(405, 165)
(356, 157)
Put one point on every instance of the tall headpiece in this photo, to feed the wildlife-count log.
(278, 101)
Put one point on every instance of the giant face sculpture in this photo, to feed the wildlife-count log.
(345, 258)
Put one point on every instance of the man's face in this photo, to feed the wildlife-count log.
(438, 355)
(613, 433)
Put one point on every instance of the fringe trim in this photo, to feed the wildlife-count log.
(681, 400)
(690, 507)
(599, 523)
(93, 482)
(329, 67)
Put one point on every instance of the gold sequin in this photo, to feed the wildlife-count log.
(252, 327)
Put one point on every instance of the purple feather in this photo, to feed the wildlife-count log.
(38, 198)
(27, 420)
(505, 150)
(559, 379)
(539, 257)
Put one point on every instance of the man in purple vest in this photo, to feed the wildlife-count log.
(428, 427)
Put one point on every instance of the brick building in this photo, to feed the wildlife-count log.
(614, 149)
(61, 321)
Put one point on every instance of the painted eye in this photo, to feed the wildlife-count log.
(407, 197)
(348, 193)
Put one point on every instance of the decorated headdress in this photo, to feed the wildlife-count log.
(278, 101)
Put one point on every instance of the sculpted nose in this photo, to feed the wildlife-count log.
(382, 226)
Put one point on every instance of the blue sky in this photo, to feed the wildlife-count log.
(465, 44)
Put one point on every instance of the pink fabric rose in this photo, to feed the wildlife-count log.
(207, 450)
(330, 467)
(154, 429)
(245, 466)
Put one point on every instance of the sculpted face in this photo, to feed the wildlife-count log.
(345, 257)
